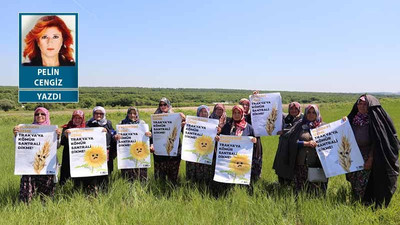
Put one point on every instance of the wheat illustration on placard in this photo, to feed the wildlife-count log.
(272, 117)
(40, 157)
(171, 140)
(344, 154)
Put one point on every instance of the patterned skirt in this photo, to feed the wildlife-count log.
(199, 173)
(36, 184)
(301, 182)
(167, 168)
(134, 174)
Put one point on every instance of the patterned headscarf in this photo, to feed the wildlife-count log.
(71, 124)
(203, 107)
(166, 101)
(101, 122)
(241, 124)
(295, 104)
(222, 119)
(47, 115)
(361, 119)
(317, 121)
(129, 121)
(244, 101)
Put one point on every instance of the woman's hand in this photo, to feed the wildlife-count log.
(67, 133)
(148, 134)
(217, 138)
(368, 163)
(279, 132)
(16, 130)
(344, 118)
(311, 144)
(254, 140)
(219, 130)
(104, 130)
(117, 137)
(183, 117)
(152, 148)
(58, 131)
(256, 92)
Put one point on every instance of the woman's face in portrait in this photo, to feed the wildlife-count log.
(203, 113)
(77, 120)
(40, 116)
(164, 107)
(311, 115)
(50, 42)
(132, 115)
(362, 107)
(219, 111)
(293, 111)
(236, 115)
(246, 107)
(98, 115)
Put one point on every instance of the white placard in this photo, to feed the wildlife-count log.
(166, 129)
(234, 159)
(337, 148)
(133, 149)
(36, 150)
(88, 152)
(266, 114)
(199, 139)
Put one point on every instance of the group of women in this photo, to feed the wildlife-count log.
(296, 162)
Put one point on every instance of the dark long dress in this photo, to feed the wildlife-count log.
(382, 182)
(137, 173)
(65, 163)
(256, 168)
(93, 184)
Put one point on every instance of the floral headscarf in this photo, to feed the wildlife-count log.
(361, 119)
(241, 124)
(316, 122)
(222, 119)
(244, 101)
(129, 121)
(203, 107)
(71, 124)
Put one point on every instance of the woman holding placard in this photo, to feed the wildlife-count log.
(167, 167)
(198, 172)
(377, 139)
(32, 185)
(99, 120)
(77, 121)
(237, 127)
(132, 117)
(219, 113)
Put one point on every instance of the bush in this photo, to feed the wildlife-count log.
(6, 104)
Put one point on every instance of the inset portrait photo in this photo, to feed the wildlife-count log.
(48, 40)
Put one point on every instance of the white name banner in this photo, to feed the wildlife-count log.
(166, 129)
(337, 148)
(88, 152)
(199, 139)
(234, 159)
(266, 113)
(36, 150)
(133, 149)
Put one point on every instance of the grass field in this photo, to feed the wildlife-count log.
(159, 203)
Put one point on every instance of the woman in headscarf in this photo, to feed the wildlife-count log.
(237, 127)
(132, 117)
(299, 154)
(99, 119)
(197, 172)
(167, 167)
(289, 120)
(245, 103)
(219, 113)
(257, 157)
(77, 121)
(377, 139)
(42, 185)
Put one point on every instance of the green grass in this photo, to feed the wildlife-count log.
(160, 203)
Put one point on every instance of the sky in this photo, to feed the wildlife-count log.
(322, 46)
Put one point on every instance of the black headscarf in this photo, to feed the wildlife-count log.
(382, 182)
